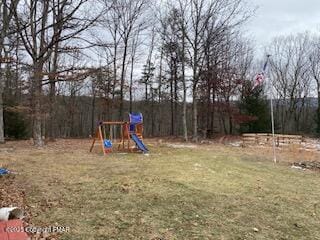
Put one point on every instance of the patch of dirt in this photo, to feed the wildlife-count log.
(228, 139)
(6, 149)
(312, 165)
(181, 145)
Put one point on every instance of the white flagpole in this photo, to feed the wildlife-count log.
(272, 119)
(273, 135)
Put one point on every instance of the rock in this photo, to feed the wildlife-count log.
(125, 188)
(255, 229)
(7, 149)
(297, 225)
(297, 167)
(312, 165)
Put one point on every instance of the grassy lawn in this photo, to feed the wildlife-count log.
(208, 192)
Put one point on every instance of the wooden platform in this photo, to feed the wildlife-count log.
(249, 139)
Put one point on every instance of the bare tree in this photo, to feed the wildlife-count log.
(124, 20)
(170, 48)
(291, 77)
(314, 59)
(195, 60)
(197, 16)
(134, 49)
(110, 23)
(184, 82)
(43, 24)
(174, 44)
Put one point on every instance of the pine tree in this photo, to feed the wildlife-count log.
(254, 104)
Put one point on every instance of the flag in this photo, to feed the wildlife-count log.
(260, 77)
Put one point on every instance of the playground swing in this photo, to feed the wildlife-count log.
(110, 138)
(129, 131)
(107, 141)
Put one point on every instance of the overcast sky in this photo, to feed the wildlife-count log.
(279, 17)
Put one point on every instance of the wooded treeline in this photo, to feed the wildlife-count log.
(186, 65)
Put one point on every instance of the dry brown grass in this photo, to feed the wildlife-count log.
(203, 192)
(286, 155)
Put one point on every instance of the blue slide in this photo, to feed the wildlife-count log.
(139, 143)
(4, 171)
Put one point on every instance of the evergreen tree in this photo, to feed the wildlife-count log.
(15, 122)
(254, 104)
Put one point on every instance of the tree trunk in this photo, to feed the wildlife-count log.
(52, 80)
(37, 119)
(213, 107)
(184, 108)
(176, 98)
(208, 116)
(3, 34)
(114, 74)
(131, 84)
(172, 104)
(146, 90)
(152, 112)
(93, 106)
(37, 136)
(133, 55)
(318, 109)
(52, 95)
(230, 125)
(108, 101)
(159, 95)
(1, 113)
(229, 115)
(123, 70)
(195, 115)
(194, 92)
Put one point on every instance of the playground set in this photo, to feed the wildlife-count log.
(129, 131)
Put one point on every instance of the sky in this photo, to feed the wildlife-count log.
(282, 17)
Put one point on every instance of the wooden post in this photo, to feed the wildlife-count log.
(122, 135)
(128, 136)
(101, 138)
(94, 140)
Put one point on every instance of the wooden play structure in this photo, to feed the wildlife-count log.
(116, 136)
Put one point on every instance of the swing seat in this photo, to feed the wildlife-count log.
(107, 145)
